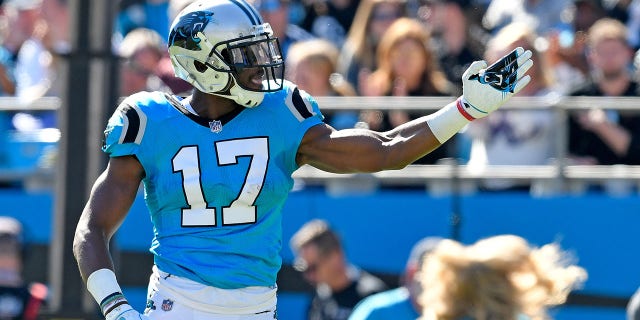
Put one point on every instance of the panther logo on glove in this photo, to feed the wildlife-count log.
(500, 75)
(485, 89)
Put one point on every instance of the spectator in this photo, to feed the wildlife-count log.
(35, 72)
(57, 39)
(400, 303)
(406, 67)
(339, 285)
(141, 51)
(276, 13)
(29, 58)
(515, 137)
(32, 73)
(501, 277)
(633, 308)
(20, 300)
(406, 64)
(146, 66)
(312, 65)
(358, 55)
(18, 25)
(606, 137)
(566, 45)
(451, 37)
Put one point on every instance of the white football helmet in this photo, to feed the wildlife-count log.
(211, 41)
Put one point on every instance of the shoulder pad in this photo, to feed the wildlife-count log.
(300, 103)
(134, 121)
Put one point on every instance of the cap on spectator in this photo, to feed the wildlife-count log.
(11, 227)
(420, 249)
(23, 4)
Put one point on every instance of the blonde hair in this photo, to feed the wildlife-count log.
(499, 277)
(139, 39)
(319, 52)
(607, 29)
(322, 55)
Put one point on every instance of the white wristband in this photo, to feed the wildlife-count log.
(447, 121)
(103, 286)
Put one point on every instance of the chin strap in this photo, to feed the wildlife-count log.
(243, 97)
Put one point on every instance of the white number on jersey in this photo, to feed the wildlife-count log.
(241, 210)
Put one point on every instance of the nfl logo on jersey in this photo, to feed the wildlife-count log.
(167, 305)
(216, 126)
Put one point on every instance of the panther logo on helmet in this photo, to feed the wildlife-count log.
(185, 33)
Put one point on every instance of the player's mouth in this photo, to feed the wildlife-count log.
(251, 78)
(257, 79)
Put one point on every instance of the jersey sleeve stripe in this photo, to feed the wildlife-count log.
(135, 122)
(301, 109)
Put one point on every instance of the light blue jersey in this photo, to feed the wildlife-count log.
(392, 304)
(215, 189)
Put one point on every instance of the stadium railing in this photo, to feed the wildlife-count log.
(560, 174)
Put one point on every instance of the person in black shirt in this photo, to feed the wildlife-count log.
(339, 285)
(606, 137)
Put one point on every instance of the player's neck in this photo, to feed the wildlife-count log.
(211, 106)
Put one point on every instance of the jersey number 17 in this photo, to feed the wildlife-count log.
(242, 210)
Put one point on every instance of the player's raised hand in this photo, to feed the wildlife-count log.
(485, 89)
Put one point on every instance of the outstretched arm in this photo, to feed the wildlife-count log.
(358, 150)
(110, 200)
(362, 150)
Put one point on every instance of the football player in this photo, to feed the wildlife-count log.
(216, 165)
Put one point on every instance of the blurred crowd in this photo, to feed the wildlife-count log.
(498, 277)
(378, 48)
(383, 48)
